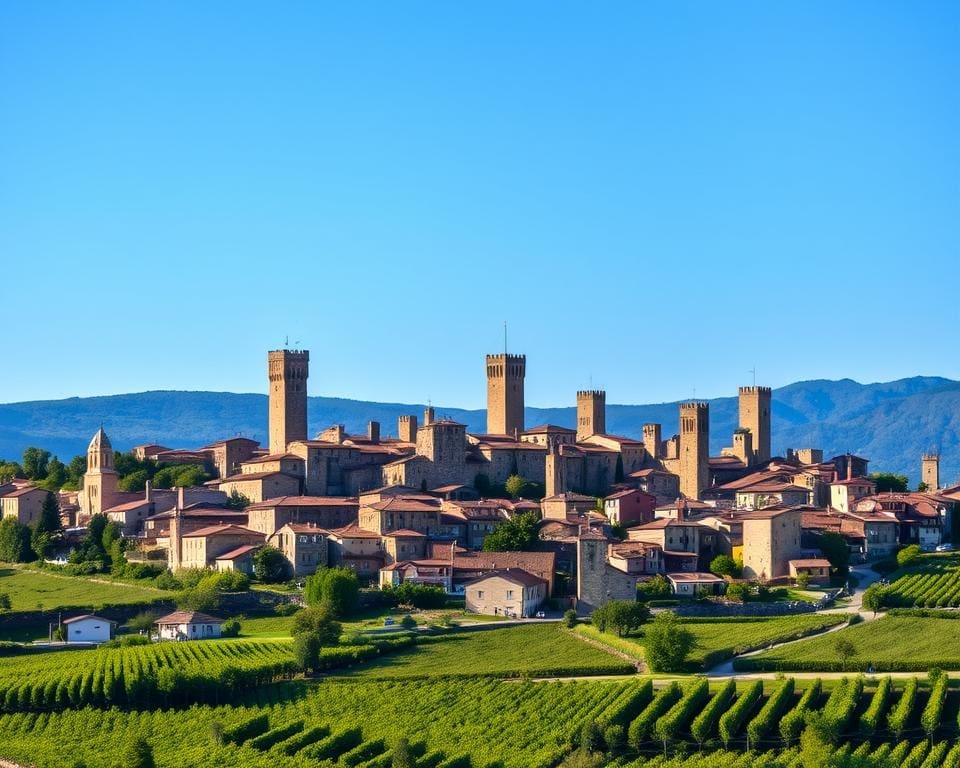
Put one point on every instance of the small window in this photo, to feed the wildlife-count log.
(480, 594)
(509, 594)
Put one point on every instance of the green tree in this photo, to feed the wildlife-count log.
(834, 548)
(667, 643)
(922, 487)
(75, 472)
(237, 500)
(270, 566)
(339, 587)
(56, 475)
(515, 486)
(515, 535)
(657, 588)
(35, 461)
(46, 527)
(845, 650)
(14, 541)
(135, 482)
(10, 470)
(138, 754)
(874, 598)
(319, 620)
(887, 482)
(618, 470)
(908, 555)
(5, 604)
(724, 565)
(737, 592)
(620, 616)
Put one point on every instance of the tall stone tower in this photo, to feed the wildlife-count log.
(407, 428)
(651, 440)
(930, 471)
(694, 448)
(755, 416)
(505, 375)
(100, 479)
(288, 370)
(591, 413)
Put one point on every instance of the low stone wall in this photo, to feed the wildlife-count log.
(706, 608)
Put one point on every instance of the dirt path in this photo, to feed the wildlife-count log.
(637, 664)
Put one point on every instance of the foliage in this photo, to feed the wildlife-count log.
(900, 714)
(705, 722)
(270, 566)
(724, 565)
(933, 710)
(870, 719)
(569, 618)
(667, 643)
(515, 535)
(889, 482)
(319, 620)
(770, 712)
(138, 754)
(737, 592)
(339, 587)
(14, 541)
(237, 500)
(417, 595)
(306, 650)
(515, 485)
(834, 548)
(35, 462)
(657, 587)
(5, 603)
(733, 719)
(668, 726)
(844, 649)
(230, 628)
(408, 622)
(791, 724)
(874, 598)
(620, 616)
(642, 726)
(46, 527)
(908, 555)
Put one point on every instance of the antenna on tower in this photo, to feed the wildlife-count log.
(286, 342)
(504, 337)
(754, 372)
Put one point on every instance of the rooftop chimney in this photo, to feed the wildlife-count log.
(373, 431)
(181, 504)
(849, 467)
(148, 486)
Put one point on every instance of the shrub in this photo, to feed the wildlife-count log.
(870, 719)
(900, 714)
(770, 712)
(569, 618)
(908, 555)
(933, 711)
(733, 719)
(668, 643)
(668, 725)
(318, 620)
(417, 595)
(408, 622)
(286, 609)
(339, 587)
(643, 725)
(620, 616)
(230, 628)
(703, 724)
(270, 566)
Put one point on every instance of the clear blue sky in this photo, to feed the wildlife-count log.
(658, 196)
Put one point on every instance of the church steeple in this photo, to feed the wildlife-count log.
(100, 480)
(100, 453)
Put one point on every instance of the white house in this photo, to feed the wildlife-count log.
(188, 625)
(687, 584)
(89, 629)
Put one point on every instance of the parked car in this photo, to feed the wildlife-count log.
(945, 548)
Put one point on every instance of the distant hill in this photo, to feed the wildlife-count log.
(890, 423)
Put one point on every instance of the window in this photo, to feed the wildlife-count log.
(509, 594)
(480, 594)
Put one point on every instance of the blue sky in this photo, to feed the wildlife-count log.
(657, 196)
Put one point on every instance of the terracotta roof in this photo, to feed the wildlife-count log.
(570, 496)
(23, 491)
(404, 504)
(404, 533)
(188, 617)
(128, 505)
(544, 428)
(234, 554)
(354, 532)
(535, 562)
(304, 528)
(273, 457)
(856, 481)
(767, 513)
(812, 562)
(516, 575)
(697, 577)
(231, 440)
(218, 530)
(255, 476)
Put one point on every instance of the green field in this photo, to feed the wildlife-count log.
(932, 582)
(32, 590)
(891, 643)
(533, 649)
(266, 626)
(718, 639)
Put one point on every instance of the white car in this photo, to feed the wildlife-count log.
(945, 548)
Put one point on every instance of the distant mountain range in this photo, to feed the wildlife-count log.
(890, 423)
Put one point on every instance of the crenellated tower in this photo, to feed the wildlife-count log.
(505, 376)
(651, 440)
(694, 448)
(930, 471)
(288, 370)
(591, 413)
(755, 416)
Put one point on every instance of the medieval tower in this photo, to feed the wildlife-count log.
(651, 440)
(930, 471)
(591, 413)
(407, 428)
(755, 416)
(288, 370)
(100, 479)
(505, 375)
(694, 448)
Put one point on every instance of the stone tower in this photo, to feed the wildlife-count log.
(407, 428)
(591, 413)
(743, 446)
(694, 448)
(651, 440)
(444, 443)
(755, 416)
(930, 471)
(288, 370)
(100, 479)
(505, 375)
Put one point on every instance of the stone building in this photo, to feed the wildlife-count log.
(597, 580)
(514, 593)
(304, 546)
(505, 378)
(755, 411)
(200, 549)
(693, 464)
(288, 371)
(22, 503)
(591, 413)
(100, 481)
(930, 471)
(771, 539)
(321, 511)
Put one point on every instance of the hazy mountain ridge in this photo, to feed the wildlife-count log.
(891, 423)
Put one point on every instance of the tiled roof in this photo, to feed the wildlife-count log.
(234, 554)
(516, 575)
(188, 617)
(88, 616)
(305, 501)
(229, 529)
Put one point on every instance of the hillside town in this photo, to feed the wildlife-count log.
(611, 511)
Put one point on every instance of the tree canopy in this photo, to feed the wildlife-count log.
(339, 587)
(888, 482)
(668, 643)
(270, 566)
(834, 548)
(515, 535)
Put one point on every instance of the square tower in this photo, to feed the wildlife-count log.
(505, 375)
(930, 471)
(288, 370)
(694, 448)
(651, 440)
(591, 413)
(407, 428)
(755, 416)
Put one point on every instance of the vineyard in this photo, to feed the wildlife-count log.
(893, 643)
(935, 583)
(344, 723)
(166, 674)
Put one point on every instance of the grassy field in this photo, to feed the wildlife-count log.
(932, 581)
(717, 639)
(891, 643)
(533, 649)
(266, 626)
(32, 590)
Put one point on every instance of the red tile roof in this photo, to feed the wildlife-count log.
(239, 552)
